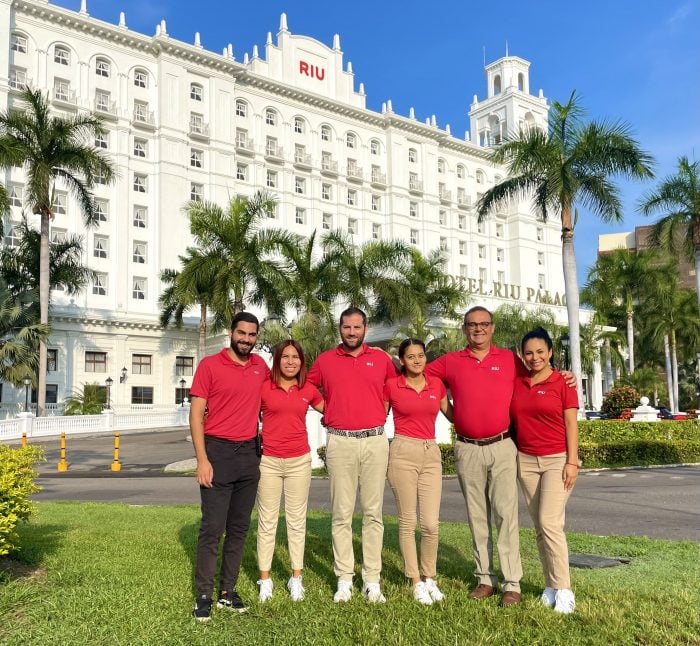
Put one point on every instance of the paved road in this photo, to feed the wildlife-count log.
(660, 503)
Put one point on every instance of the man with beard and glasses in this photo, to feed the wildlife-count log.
(225, 397)
(352, 377)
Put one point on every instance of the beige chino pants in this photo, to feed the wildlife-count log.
(291, 476)
(415, 476)
(352, 463)
(543, 488)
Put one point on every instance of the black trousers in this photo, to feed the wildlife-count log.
(226, 508)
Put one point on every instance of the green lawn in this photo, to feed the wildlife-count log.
(116, 574)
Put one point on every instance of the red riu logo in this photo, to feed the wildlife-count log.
(314, 71)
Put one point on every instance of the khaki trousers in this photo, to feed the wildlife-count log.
(354, 462)
(488, 478)
(415, 476)
(291, 476)
(543, 488)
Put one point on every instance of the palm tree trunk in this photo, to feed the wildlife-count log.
(572, 303)
(608, 366)
(669, 373)
(202, 331)
(697, 273)
(44, 290)
(674, 371)
(630, 340)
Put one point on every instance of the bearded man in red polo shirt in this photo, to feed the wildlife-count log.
(352, 378)
(481, 378)
(225, 394)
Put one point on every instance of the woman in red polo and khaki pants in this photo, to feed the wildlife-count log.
(544, 410)
(415, 464)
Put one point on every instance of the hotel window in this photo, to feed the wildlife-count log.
(376, 231)
(140, 183)
(61, 55)
(196, 158)
(482, 251)
(273, 213)
(242, 172)
(139, 252)
(299, 125)
(479, 177)
(196, 123)
(100, 247)
(500, 255)
(352, 226)
(414, 236)
(327, 221)
(140, 148)
(270, 117)
(413, 209)
(271, 180)
(141, 112)
(462, 221)
(443, 244)
(16, 195)
(196, 192)
(441, 166)
(374, 147)
(140, 217)
(376, 203)
(326, 192)
(300, 215)
(412, 155)
(19, 44)
(482, 274)
(102, 140)
(58, 236)
(442, 216)
(300, 153)
(460, 172)
(463, 272)
(352, 197)
(241, 138)
(481, 226)
(271, 147)
(140, 78)
(499, 230)
(325, 133)
(540, 258)
(502, 277)
(61, 89)
(99, 285)
(95, 361)
(101, 209)
(138, 288)
(102, 67)
(60, 203)
(51, 360)
(12, 235)
(196, 92)
(413, 183)
(299, 185)
(142, 394)
(241, 108)
(141, 364)
(540, 281)
(184, 366)
(462, 248)
(540, 234)
(351, 140)
(103, 100)
(18, 78)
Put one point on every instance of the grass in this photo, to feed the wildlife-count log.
(117, 574)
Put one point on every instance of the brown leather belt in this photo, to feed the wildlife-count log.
(485, 441)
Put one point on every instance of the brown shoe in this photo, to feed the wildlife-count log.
(510, 598)
(482, 591)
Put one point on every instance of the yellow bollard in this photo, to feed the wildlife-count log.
(116, 465)
(62, 464)
(24, 440)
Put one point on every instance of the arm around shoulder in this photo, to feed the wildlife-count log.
(205, 472)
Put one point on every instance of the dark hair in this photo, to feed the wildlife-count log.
(352, 311)
(245, 317)
(537, 333)
(476, 308)
(276, 372)
(407, 343)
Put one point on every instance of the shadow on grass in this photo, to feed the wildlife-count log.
(34, 548)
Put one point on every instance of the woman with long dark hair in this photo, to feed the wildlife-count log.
(415, 464)
(544, 410)
(285, 466)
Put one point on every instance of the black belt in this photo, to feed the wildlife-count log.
(485, 441)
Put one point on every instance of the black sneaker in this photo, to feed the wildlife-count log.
(230, 600)
(202, 608)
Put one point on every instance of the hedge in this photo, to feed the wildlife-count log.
(17, 483)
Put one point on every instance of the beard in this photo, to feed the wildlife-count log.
(240, 349)
(353, 344)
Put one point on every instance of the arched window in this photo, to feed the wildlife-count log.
(241, 108)
(325, 133)
(351, 140)
(196, 92)
(299, 125)
(521, 82)
(271, 117)
(412, 155)
(461, 174)
(375, 147)
(102, 67)
(495, 128)
(61, 55)
(18, 43)
(441, 166)
(140, 77)
(497, 84)
(480, 177)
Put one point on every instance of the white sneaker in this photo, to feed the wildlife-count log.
(296, 589)
(373, 593)
(421, 594)
(564, 602)
(548, 597)
(344, 592)
(433, 590)
(265, 593)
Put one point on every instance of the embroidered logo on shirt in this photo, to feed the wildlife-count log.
(306, 401)
(495, 367)
(541, 392)
(432, 397)
(369, 363)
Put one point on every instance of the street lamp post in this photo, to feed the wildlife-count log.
(27, 382)
(109, 381)
(182, 392)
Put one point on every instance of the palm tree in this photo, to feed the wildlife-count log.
(52, 148)
(572, 163)
(513, 321)
(678, 196)
(240, 253)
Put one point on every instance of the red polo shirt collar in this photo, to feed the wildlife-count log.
(365, 350)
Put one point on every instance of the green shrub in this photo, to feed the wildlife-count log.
(604, 431)
(617, 399)
(16, 485)
(639, 452)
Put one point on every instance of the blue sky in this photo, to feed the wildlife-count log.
(631, 60)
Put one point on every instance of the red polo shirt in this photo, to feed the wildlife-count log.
(481, 388)
(538, 413)
(284, 418)
(352, 386)
(232, 391)
(414, 412)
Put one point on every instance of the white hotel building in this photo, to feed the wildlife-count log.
(186, 123)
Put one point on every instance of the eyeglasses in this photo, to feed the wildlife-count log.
(480, 325)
